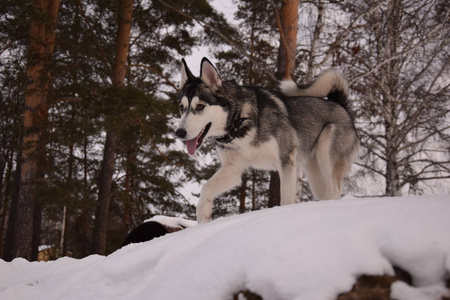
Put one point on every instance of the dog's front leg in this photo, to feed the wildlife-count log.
(288, 179)
(225, 178)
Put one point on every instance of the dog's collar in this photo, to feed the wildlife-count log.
(233, 132)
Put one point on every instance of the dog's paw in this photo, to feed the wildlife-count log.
(203, 215)
(203, 218)
(204, 210)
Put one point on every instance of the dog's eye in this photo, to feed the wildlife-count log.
(181, 107)
(200, 107)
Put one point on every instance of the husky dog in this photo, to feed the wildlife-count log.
(293, 132)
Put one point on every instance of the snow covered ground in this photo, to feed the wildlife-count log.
(313, 250)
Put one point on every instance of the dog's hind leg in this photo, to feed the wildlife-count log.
(317, 182)
(298, 196)
(342, 164)
(224, 179)
(288, 179)
(320, 167)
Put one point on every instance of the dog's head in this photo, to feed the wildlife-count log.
(203, 109)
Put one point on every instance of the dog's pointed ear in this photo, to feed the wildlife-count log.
(186, 74)
(209, 75)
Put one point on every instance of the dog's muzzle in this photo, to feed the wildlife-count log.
(195, 143)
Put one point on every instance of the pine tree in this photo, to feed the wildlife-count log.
(82, 105)
(26, 209)
(12, 93)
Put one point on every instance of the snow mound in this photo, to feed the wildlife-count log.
(313, 250)
(173, 222)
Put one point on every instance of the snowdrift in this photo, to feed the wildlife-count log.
(313, 250)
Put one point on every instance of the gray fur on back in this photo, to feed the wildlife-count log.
(307, 116)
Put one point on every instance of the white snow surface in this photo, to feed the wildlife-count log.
(173, 222)
(313, 250)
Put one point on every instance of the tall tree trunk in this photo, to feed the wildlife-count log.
(5, 198)
(69, 203)
(109, 152)
(314, 43)
(126, 216)
(37, 220)
(104, 194)
(85, 216)
(39, 201)
(390, 87)
(130, 186)
(274, 190)
(243, 193)
(253, 190)
(8, 253)
(287, 20)
(40, 51)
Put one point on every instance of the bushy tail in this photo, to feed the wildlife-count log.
(330, 84)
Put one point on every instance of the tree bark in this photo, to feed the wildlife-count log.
(242, 194)
(109, 152)
(274, 190)
(287, 21)
(390, 81)
(104, 194)
(69, 203)
(314, 43)
(6, 198)
(40, 51)
(253, 190)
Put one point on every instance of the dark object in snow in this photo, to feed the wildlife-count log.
(246, 295)
(145, 232)
(372, 287)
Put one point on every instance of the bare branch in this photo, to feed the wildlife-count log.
(349, 30)
(225, 38)
(368, 167)
(283, 40)
(400, 55)
(6, 47)
(168, 81)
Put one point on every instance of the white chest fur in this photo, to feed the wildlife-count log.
(244, 152)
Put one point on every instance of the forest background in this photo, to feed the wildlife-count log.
(88, 103)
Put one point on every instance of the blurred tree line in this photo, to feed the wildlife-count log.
(88, 102)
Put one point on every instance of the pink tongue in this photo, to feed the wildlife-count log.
(192, 145)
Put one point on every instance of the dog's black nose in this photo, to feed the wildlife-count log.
(180, 133)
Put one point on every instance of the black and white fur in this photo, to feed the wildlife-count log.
(291, 132)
